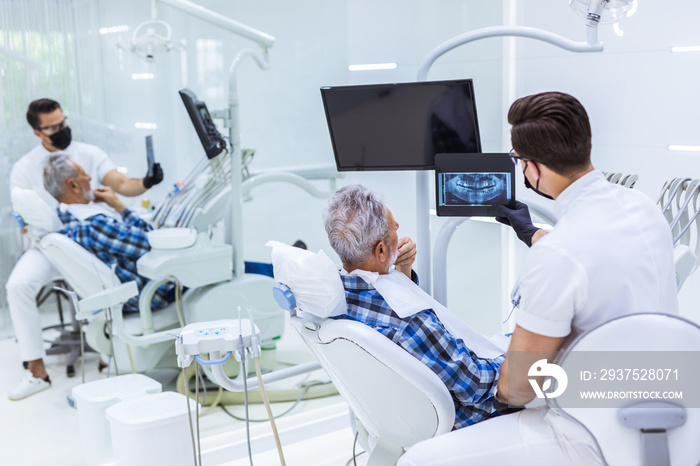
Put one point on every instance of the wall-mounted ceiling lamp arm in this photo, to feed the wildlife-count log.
(590, 45)
(198, 11)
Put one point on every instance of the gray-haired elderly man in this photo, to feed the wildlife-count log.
(362, 230)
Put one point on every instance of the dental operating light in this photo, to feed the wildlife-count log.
(603, 12)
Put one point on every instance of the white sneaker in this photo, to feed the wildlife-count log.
(29, 385)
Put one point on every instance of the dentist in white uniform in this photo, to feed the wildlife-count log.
(610, 254)
(33, 270)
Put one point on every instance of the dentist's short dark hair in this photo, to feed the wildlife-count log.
(552, 128)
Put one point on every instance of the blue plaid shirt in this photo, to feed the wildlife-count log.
(117, 242)
(471, 380)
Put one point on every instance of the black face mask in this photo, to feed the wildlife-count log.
(528, 185)
(61, 139)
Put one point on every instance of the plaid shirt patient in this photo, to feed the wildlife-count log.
(117, 242)
(470, 380)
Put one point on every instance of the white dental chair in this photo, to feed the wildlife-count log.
(88, 276)
(648, 432)
(396, 400)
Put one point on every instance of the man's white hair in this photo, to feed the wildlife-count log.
(57, 170)
(355, 220)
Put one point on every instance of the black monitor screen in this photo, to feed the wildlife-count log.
(400, 126)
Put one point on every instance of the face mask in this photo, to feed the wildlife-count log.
(534, 188)
(61, 139)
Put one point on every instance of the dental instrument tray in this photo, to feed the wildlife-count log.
(473, 185)
(172, 238)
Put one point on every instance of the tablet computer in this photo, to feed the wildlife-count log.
(472, 185)
(150, 157)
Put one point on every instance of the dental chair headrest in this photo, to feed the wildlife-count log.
(312, 278)
(34, 211)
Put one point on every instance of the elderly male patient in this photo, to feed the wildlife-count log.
(362, 230)
(101, 223)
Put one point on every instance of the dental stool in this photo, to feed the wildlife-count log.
(639, 432)
(395, 399)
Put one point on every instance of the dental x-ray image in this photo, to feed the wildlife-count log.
(469, 189)
(473, 185)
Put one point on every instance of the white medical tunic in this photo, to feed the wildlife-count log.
(610, 254)
(28, 172)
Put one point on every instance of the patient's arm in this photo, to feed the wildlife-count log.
(525, 349)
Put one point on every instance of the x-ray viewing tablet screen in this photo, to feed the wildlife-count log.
(470, 185)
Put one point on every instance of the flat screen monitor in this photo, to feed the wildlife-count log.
(212, 141)
(473, 185)
(400, 126)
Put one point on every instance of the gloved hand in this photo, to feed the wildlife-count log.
(155, 178)
(519, 219)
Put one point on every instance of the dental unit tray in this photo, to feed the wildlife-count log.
(198, 265)
(473, 185)
(218, 336)
(172, 238)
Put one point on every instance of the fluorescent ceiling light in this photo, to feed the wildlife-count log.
(682, 148)
(373, 66)
(689, 48)
(141, 76)
(113, 29)
(141, 125)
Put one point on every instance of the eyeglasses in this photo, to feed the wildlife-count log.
(51, 129)
(516, 158)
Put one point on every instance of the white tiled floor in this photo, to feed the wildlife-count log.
(43, 429)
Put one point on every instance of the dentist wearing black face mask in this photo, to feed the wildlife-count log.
(33, 270)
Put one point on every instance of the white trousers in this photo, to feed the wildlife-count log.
(32, 271)
(527, 438)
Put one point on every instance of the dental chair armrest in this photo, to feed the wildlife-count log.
(111, 297)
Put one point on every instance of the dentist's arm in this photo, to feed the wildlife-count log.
(525, 349)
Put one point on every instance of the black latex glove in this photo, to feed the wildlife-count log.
(155, 178)
(519, 219)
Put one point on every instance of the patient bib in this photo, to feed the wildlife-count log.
(406, 299)
(84, 211)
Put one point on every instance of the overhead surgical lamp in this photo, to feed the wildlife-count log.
(603, 12)
(146, 42)
(595, 12)
(145, 45)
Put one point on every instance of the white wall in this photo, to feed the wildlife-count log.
(640, 97)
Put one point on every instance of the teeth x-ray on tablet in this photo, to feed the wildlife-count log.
(469, 185)
(475, 189)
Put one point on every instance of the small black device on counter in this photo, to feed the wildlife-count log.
(212, 141)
